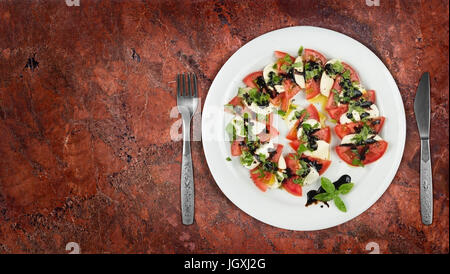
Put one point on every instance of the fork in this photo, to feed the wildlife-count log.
(187, 102)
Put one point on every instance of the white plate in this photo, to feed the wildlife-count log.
(277, 207)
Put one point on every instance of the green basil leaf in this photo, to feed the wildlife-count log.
(327, 185)
(345, 188)
(324, 197)
(340, 204)
(300, 51)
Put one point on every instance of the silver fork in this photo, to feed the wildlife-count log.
(187, 102)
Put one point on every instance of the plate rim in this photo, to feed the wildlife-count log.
(375, 197)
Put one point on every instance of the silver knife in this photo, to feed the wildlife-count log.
(422, 112)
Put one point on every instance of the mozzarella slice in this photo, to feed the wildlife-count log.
(372, 111)
(264, 149)
(257, 127)
(311, 122)
(281, 163)
(322, 151)
(348, 138)
(266, 71)
(326, 83)
(279, 88)
(299, 60)
(261, 110)
(312, 176)
(298, 76)
(345, 120)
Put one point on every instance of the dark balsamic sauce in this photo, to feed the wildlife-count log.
(344, 179)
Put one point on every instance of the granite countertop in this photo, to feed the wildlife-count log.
(87, 97)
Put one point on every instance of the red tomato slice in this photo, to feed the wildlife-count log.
(284, 102)
(277, 154)
(345, 129)
(336, 85)
(310, 54)
(294, 144)
(353, 75)
(292, 135)
(370, 96)
(261, 183)
(291, 187)
(312, 89)
(249, 80)
(333, 110)
(323, 134)
(236, 148)
(266, 136)
(375, 151)
(277, 100)
(280, 54)
(291, 162)
(324, 163)
(313, 113)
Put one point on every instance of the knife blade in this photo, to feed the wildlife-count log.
(422, 113)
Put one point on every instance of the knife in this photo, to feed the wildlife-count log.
(422, 112)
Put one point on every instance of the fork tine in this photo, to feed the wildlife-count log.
(184, 85)
(189, 89)
(178, 85)
(195, 85)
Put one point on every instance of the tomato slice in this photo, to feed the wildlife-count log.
(291, 162)
(323, 134)
(236, 148)
(310, 54)
(270, 134)
(277, 154)
(291, 187)
(325, 164)
(313, 113)
(333, 109)
(262, 182)
(292, 135)
(370, 96)
(312, 89)
(345, 129)
(353, 75)
(284, 102)
(249, 80)
(281, 54)
(374, 152)
(277, 100)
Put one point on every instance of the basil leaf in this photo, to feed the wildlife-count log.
(345, 188)
(231, 131)
(324, 197)
(300, 51)
(340, 204)
(302, 148)
(327, 185)
(228, 159)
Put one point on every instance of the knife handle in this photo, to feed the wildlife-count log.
(426, 183)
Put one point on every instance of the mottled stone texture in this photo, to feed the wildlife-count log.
(86, 95)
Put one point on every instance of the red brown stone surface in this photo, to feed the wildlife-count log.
(86, 95)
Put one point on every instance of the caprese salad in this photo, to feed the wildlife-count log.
(270, 91)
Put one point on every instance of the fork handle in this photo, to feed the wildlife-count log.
(426, 183)
(187, 178)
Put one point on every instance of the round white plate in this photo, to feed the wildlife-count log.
(277, 207)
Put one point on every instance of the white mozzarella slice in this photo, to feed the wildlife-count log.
(322, 151)
(312, 176)
(373, 111)
(279, 88)
(312, 122)
(266, 71)
(291, 119)
(326, 83)
(281, 163)
(261, 110)
(348, 139)
(257, 127)
(264, 149)
(345, 120)
(300, 80)
(299, 60)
